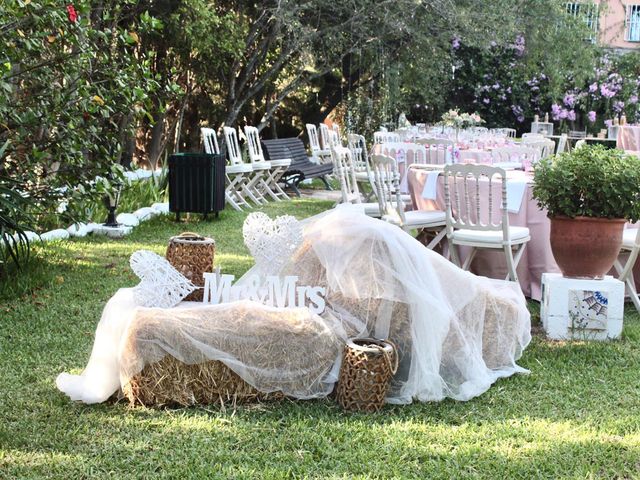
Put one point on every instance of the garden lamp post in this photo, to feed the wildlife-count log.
(111, 200)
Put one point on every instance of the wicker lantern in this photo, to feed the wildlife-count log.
(367, 367)
(192, 255)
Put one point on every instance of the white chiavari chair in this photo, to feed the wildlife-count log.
(391, 205)
(438, 151)
(514, 157)
(360, 157)
(479, 222)
(504, 132)
(344, 169)
(318, 154)
(630, 246)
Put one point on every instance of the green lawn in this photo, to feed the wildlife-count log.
(577, 415)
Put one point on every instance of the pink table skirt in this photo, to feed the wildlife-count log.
(537, 257)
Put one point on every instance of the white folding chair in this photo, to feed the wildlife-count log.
(343, 168)
(630, 245)
(317, 152)
(253, 176)
(234, 174)
(278, 167)
(479, 224)
(391, 205)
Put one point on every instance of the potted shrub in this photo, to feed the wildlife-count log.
(589, 194)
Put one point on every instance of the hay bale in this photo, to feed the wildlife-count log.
(176, 356)
(171, 382)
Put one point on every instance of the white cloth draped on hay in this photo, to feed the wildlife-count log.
(457, 333)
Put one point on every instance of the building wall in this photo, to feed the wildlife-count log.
(612, 26)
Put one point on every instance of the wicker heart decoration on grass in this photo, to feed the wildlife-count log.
(271, 242)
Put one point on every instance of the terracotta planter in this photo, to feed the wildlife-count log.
(586, 247)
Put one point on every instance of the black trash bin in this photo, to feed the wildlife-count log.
(196, 183)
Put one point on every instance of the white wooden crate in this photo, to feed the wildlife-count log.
(574, 309)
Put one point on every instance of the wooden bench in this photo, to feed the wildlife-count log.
(301, 167)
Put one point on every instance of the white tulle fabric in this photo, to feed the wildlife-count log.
(457, 333)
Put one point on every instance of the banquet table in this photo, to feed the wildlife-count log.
(629, 137)
(537, 258)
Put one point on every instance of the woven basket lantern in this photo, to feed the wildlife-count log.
(367, 367)
(192, 255)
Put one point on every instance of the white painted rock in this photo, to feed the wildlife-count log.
(91, 227)
(32, 236)
(145, 213)
(131, 176)
(128, 219)
(142, 173)
(78, 230)
(58, 234)
(161, 207)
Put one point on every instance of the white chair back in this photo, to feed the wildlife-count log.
(530, 135)
(631, 244)
(233, 147)
(438, 151)
(314, 143)
(359, 154)
(505, 132)
(387, 185)
(335, 139)
(326, 139)
(544, 147)
(385, 137)
(210, 140)
(343, 167)
(404, 152)
(514, 155)
(562, 143)
(471, 212)
(253, 144)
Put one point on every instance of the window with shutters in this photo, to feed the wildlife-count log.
(632, 33)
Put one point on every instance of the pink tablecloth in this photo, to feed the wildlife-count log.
(629, 137)
(537, 257)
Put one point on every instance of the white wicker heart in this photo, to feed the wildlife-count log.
(271, 242)
(161, 284)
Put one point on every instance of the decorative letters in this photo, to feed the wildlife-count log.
(276, 291)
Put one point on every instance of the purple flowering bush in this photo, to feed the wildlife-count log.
(507, 88)
(611, 92)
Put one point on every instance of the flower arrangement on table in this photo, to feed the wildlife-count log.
(455, 119)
